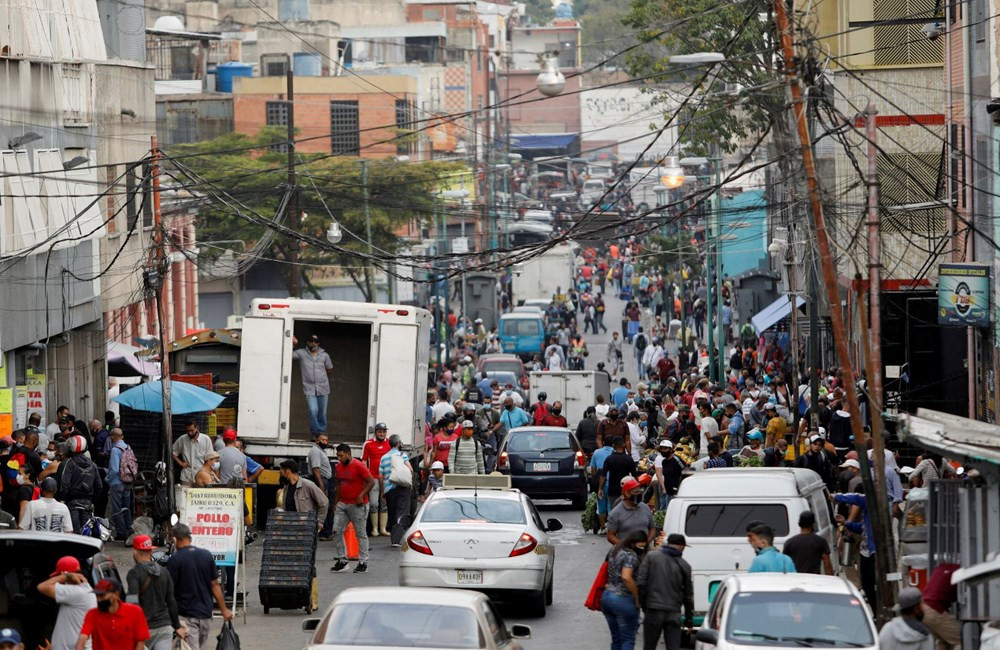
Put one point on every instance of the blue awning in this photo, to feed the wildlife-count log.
(542, 140)
(769, 316)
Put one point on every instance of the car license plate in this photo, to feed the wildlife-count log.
(542, 467)
(470, 577)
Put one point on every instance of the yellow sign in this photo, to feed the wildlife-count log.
(6, 401)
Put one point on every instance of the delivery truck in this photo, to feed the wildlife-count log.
(379, 355)
(576, 389)
(546, 275)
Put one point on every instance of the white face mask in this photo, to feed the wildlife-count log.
(216, 465)
(50, 454)
(23, 479)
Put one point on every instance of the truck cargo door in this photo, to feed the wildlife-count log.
(261, 385)
(397, 379)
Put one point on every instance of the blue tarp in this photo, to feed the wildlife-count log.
(542, 140)
(769, 316)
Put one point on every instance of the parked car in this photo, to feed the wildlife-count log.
(545, 463)
(489, 540)
(540, 216)
(504, 363)
(393, 617)
(713, 509)
(522, 334)
(593, 190)
(794, 610)
(28, 558)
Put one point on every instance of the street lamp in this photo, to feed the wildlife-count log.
(698, 58)
(334, 233)
(550, 80)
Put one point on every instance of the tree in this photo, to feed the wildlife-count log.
(255, 174)
(669, 27)
(539, 12)
(604, 30)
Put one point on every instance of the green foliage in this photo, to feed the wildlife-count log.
(666, 253)
(604, 30)
(257, 176)
(539, 12)
(691, 26)
(658, 517)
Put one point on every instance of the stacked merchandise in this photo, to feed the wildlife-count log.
(288, 566)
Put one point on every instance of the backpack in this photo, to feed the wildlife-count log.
(399, 473)
(640, 342)
(128, 465)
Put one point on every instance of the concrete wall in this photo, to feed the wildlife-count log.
(622, 116)
(559, 114)
(246, 13)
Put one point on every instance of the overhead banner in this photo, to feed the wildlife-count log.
(964, 295)
(215, 517)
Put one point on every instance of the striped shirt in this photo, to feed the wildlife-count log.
(385, 467)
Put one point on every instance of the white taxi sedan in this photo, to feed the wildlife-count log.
(489, 540)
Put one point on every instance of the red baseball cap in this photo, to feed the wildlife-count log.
(143, 543)
(629, 485)
(644, 480)
(66, 564)
(229, 435)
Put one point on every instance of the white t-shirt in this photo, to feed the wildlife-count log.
(74, 603)
(46, 514)
(440, 409)
(637, 437)
(602, 410)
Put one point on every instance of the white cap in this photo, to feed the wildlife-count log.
(665, 444)
(437, 465)
(467, 424)
(467, 359)
(850, 462)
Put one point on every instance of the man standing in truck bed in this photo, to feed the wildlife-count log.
(316, 367)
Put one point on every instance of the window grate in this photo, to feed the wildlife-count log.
(907, 179)
(277, 115)
(344, 134)
(903, 44)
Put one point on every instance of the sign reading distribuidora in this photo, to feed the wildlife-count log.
(964, 295)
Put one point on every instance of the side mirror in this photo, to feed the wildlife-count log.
(519, 631)
(552, 525)
(707, 635)
(310, 624)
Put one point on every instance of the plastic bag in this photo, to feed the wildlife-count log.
(228, 639)
(179, 644)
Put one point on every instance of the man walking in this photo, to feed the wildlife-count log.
(354, 482)
(80, 484)
(68, 587)
(152, 585)
(121, 466)
(768, 560)
(396, 482)
(302, 495)
(316, 367)
(466, 458)
(113, 624)
(45, 513)
(630, 514)
(321, 473)
(907, 631)
(189, 453)
(665, 586)
(809, 551)
(196, 585)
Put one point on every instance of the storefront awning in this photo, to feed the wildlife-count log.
(771, 315)
(535, 141)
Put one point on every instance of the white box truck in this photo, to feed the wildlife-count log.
(379, 355)
(576, 389)
(549, 274)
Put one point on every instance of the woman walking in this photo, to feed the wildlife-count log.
(620, 602)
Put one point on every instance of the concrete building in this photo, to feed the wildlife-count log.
(75, 127)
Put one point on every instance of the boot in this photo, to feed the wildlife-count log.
(374, 519)
(383, 520)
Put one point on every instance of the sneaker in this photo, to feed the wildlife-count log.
(361, 568)
(602, 531)
(339, 566)
(395, 545)
(325, 538)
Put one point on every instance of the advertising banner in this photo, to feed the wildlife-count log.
(964, 295)
(215, 516)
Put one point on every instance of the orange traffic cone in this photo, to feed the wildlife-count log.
(351, 542)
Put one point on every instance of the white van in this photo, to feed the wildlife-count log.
(713, 508)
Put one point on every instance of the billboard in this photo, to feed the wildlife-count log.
(964, 295)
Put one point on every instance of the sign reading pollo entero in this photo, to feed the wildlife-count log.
(215, 517)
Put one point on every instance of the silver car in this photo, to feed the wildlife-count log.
(488, 540)
(390, 617)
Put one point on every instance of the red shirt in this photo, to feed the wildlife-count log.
(351, 479)
(120, 630)
(372, 453)
(442, 442)
(551, 420)
(939, 594)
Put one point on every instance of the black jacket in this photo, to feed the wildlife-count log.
(80, 479)
(155, 588)
(586, 433)
(665, 583)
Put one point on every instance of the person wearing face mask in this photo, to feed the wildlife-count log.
(189, 452)
(68, 587)
(196, 586)
(113, 624)
(630, 515)
(665, 587)
(152, 586)
(769, 559)
(513, 416)
(620, 601)
(321, 472)
(45, 513)
(612, 427)
(80, 482)
(554, 418)
(371, 455)
(301, 495)
(209, 472)
(669, 472)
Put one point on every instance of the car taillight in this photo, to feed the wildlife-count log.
(525, 544)
(502, 459)
(417, 542)
(581, 460)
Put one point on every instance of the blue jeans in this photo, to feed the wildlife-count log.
(623, 619)
(329, 490)
(121, 497)
(317, 412)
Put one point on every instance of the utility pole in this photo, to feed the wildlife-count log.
(369, 268)
(829, 279)
(873, 357)
(721, 356)
(293, 201)
(709, 282)
(814, 360)
(156, 278)
(793, 298)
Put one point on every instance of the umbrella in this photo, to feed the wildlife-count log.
(184, 398)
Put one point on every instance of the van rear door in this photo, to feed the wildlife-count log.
(396, 389)
(262, 382)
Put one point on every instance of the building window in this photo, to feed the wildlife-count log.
(904, 44)
(404, 126)
(423, 49)
(147, 195)
(276, 114)
(344, 134)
